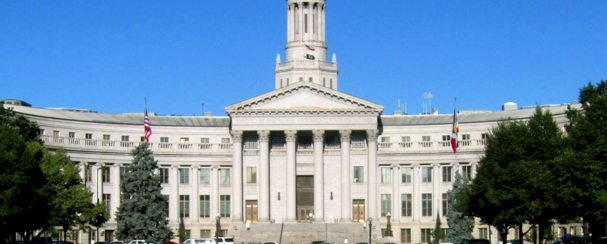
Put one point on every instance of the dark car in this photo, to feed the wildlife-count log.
(317, 242)
(475, 241)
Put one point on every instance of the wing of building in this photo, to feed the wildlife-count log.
(304, 153)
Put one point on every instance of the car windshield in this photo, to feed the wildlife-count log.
(478, 241)
(228, 240)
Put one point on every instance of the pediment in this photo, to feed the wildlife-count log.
(304, 97)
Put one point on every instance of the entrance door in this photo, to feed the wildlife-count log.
(358, 211)
(305, 198)
(251, 211)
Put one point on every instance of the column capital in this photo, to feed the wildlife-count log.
(395, 166)
(236, 135)
(215, 167)
(415, 165)
(345, 135)
(264, 135)
(290, 135)
(196, 167)
(319, 135)
(371, 135)
(174, 166)
(436, 165)
(117, 165)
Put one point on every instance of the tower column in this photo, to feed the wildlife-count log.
(291, 137)
(300, 21)
(174, 198)
(237, 182)
(322, 33)
(346, 214)
(115, 199)
(264, 175)
(319, 172)
(372, 166)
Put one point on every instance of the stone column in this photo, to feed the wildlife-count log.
(214, 193)
(372, 168)
(395, 193)
(116, 186)
(416, 203)
(322, 33)
(346, 205)
(289, 23)
(195, 196)
(319, 139)
(99, 173)
(174, 198)
(264, 175)
(473, 173)
(291, 138)
(237, 179)
(436, 193)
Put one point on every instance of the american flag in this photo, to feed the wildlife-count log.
(146, 126)
(311, 48)
(454, 132)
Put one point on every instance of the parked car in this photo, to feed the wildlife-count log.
(225, 240)
(137, 242)
(102, 242)
(170, 242)
(475, 241)
(42, 240)
(116, 242)
(270, 242)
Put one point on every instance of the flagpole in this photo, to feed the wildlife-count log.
(456, 141)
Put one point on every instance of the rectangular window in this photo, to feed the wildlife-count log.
(324, 82)
(164, 139)
(426, 138)
(167, 204)
(406, 175)
(106, 137)
(224, 176)
(484, 135)
(56, 133)
(251, 175)
(406, 205)
(306, 23)
(406, 139)
(205, 233)
(205, 206)
(42, 132)
(445, 204)
(122, 172)
(184, 140)
(386, 175)
(446, 138)
(88, 136)
(184, 176)
(107, 200)
(225, 140)
(426, 204)
(466, 137)
(188, 234)
(358, 174)
(385, 139)
(88, 173)
(446, 173)
(224, 205)
(466, 172)
(482, 233)
(71, 134)
(386, 204)
(405, 235)
(105, 174)
(124, 138)
(426, 235)
(164, 175)
(205, 176)
(184, 206)
(204, 140)
(426, 174)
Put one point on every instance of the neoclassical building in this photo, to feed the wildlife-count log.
(305, 154)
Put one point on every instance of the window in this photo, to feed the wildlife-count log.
(406, 205)
(484, 136)
(324, 82)
(187, 234)
(164, 139)
(446, 173)
(426, 174)
(446, 138)
(306, 23)
(426, 235)
(331, 83)
(164, 175)
(204, 140)
(287, 81)
(205, 233)
(224, 176)
(184, 206)
(224, 205)
(405, 235)
(122, 172)
(142, 138)
(445, 204)
(310, 79)
(107, 200)
(426, 138)
(225, 140)
(105, 174)
(166, 197)
(184, 176)
(426, 204)
(386, 204)
(41, 132)
(467, 172)
(386, 175)
(88, 173)
(482, 233)
(124, 138)
(405, 139)
(106, 137)
(385, 139)
(251, 175)
(466, 137)
(184, 140)
(88, 136)
(71, 134)
(56, 133)
(205, 176)
(406, 175)
(205, 206)
(358, 174)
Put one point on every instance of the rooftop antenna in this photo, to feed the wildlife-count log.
(202, 109)
(398, 104)
(405, 98)
(428, 96)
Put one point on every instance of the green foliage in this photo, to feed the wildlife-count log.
(143, 212)
(460, 225)
(437, 234)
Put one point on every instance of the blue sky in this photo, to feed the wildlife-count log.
(108, 55)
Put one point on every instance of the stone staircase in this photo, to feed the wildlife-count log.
(297, 233)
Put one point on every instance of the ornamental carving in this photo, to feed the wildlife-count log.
(291, 135)
(415, 165)
(264, 135)
(236, 136)
(372, 135)
(344, 135)
(319, 135)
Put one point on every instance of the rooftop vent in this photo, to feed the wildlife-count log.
(509, 106)
(15, 102)
(206, 114)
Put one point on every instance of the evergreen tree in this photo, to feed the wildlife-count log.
(460, 225)
(142, 214)
(437, 234)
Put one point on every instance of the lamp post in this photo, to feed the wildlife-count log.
(218, 228)
(388, 227)
(370, 220)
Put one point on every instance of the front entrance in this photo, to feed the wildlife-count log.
(358, 211)
(251, 211)
(305, 198)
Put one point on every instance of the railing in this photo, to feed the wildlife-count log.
(445, 143)
(481, 142)
(425, 144)
(70, 142)
(405, 144)
(332, 146)
(384, 144)
(185, 145)
(306, 63)
(305, 146)
(464, 143)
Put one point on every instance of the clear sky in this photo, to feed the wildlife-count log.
(108, 55)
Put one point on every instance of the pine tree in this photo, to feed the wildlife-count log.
(142, 215)
(460, 226)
